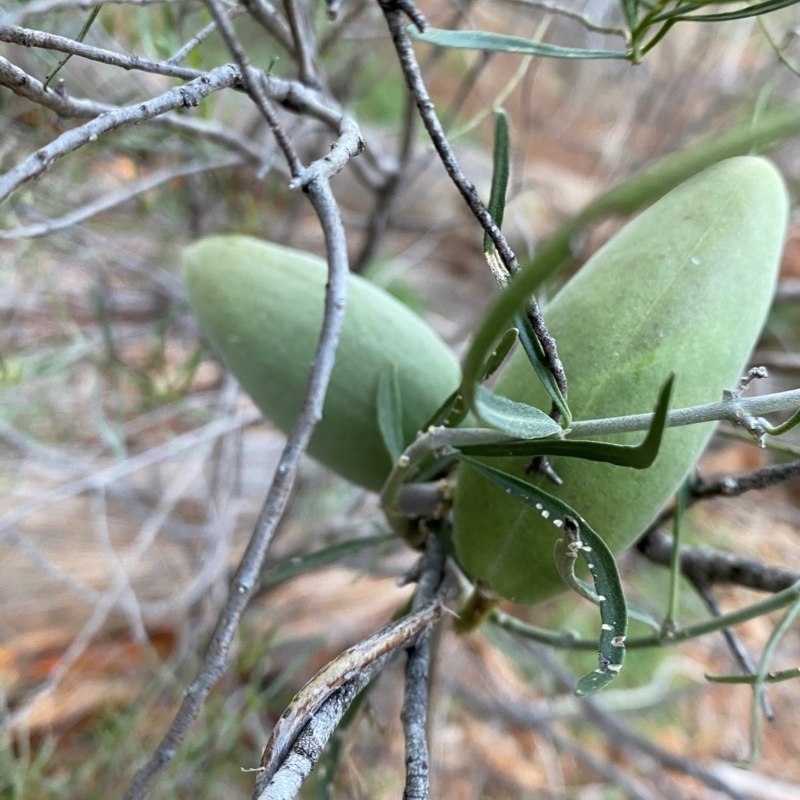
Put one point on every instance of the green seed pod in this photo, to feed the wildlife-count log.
(262, 305)
(683, 288)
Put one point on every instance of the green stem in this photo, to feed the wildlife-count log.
(79, 38)
(568, 640)
(682, 499)
(761, 676)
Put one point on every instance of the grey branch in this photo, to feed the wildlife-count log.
(30, 88)
(394, 11)
(734, 410)
(415, 703)
(50, 41)
(267, 15)
(704, 566)
(247, 574)
(733, 486)
(48, 6)
(253, 84)
(185, 96)
(105, 477)
(734, 643)
(179, 55)
(308, 747)
(522, 716)
(349, 145)
(304, 45)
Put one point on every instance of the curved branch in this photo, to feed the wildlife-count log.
(246, 577)
(185, 96)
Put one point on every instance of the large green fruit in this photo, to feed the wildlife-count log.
(261, 305)
(683, 288)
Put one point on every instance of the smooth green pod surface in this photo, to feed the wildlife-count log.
(683, 288)
(262, 305)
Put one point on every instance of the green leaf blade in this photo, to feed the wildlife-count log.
(390, 412)
(500, 174)
(601, 564)
(533, 349)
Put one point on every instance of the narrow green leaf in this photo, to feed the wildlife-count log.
(390, 412)
(500, 352)
(681, 504)
(513, 419)
(497, 42)
(500, 173)
(79, 38)
(790, 423)
(781, 629)
(639, 456)
(631, 10)
(451, 413)
(771, 677)
(566, 557)
(601, 564)
(533, 349)
(749, 11)
(293, 567)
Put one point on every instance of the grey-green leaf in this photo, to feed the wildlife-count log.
(513, 419)
(498, 42)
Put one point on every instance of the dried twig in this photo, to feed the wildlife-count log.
(386, 195)
(179, 55)
(415, 704)
(521, 715)
(303, 43)
(706, 566)
(27, 37)
(114, 199)
(268, 17)
(733, 486)
(332, 678)
(43, 7)
(105, 477)
(307, 748)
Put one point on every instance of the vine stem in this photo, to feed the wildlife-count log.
(568, 640)
(445, 441)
